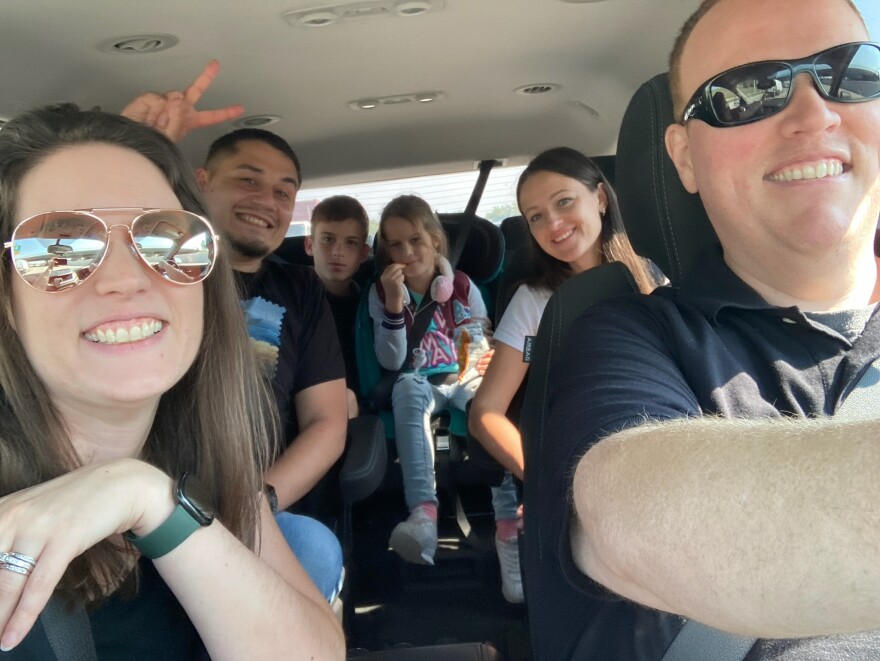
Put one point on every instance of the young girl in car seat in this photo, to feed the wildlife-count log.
(412, 248)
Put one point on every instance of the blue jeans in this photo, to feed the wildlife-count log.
(317, 550)
(504, 499)
(413, 400)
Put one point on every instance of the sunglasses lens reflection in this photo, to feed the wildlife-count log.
(177, 244)
(57, 251)
(847, 74)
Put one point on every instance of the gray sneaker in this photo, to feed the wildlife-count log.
(415, 540)
(511, 578)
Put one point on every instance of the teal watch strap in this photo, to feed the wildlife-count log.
(168, 536)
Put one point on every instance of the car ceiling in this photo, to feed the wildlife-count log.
(474, 52)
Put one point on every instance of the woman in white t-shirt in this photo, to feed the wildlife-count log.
(575, 224)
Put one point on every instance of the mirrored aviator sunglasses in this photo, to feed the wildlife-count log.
(849, 73)
(58, 250)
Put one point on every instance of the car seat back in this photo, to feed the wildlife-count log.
(664, 221)
(666, 224)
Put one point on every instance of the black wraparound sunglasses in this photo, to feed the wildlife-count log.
(849, 73)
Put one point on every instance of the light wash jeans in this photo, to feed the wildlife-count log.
(317, 550)
(414, 399)
(504, 499)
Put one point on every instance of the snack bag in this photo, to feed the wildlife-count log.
(471, 343)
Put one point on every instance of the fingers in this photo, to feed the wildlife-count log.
(35, 594)
(27, 581)
(202, 82)
(145, 109)
(218, 116)
(194, 93)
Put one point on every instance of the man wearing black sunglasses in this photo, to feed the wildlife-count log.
(710, 480)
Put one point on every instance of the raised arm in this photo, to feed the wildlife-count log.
(174, 113)
(764, 528)
(241, 605)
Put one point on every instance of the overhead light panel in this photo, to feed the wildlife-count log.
(324, 15)
(422, 98)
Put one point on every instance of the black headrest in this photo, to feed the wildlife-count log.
(293, 250)
(515, 231)
(665, 223)
(483, 252)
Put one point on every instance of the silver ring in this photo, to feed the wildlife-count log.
(18, 556)
(24, 571)
(17, 562)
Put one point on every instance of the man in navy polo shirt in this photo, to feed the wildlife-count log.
(694, 432)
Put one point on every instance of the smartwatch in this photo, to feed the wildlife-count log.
(193, 511)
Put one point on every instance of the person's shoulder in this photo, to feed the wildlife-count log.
(661, 303)
(297, 272)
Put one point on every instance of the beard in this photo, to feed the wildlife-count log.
(250, 249)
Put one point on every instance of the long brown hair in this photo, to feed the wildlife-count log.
(614, 243)
(211, 422)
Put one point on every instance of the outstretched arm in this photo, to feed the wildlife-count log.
(174, 113)
(762, 528)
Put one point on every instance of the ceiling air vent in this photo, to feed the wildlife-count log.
(139, 44)
(537, 88)
(257, 121)
(317, 17)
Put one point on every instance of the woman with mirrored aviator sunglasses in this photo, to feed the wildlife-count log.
(131, 414)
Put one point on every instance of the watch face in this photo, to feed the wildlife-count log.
(195, 499)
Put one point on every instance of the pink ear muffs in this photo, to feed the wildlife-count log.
(441, 286)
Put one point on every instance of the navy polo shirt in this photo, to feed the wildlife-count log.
(712, 346)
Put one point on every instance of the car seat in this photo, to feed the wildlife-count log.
(666, 224)
(481, 259)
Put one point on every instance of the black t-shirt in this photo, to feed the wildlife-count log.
(292, 331)
(344, 309)
(148, 626)
(711, 347)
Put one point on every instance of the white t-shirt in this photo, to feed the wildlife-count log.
(522, 316)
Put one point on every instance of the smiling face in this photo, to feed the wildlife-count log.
(124, 334)
(410, 244)
(564, 217)
(250, 194)
(339, 249)
(794, 198)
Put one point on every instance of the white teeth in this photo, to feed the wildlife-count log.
(253, 220)
(564, 236)
(819, 170)
(122, 335)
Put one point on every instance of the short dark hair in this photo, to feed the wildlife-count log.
(678, 98)
(614, 243)
(337, 208)
(227, 144)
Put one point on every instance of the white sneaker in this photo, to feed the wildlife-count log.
(511, 578)
(415, 540)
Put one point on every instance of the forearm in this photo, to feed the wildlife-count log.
(241, 607)
(766, 528)
(308, 458)
(500, 437)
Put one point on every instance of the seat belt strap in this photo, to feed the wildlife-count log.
(69, 632)
(696, 640)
